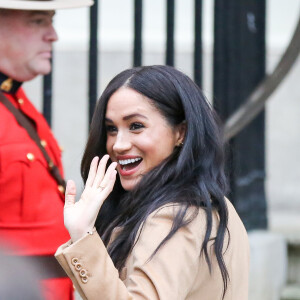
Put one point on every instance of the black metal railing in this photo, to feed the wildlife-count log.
(138, 25)
(93, 58)
(198, 43)
(47, 97)
(170, 49)
(239, 66)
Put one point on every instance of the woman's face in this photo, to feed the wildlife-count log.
(138, 136)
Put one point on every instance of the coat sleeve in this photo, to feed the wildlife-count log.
(168, 275)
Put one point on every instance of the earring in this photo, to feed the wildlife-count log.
(180, 144)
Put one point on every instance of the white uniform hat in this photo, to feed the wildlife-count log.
(43, 4)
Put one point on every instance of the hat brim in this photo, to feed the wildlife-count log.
(44, 4)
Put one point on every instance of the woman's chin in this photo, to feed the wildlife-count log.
(129, 184)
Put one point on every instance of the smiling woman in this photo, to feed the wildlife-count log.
(164, 227)
(139, 137)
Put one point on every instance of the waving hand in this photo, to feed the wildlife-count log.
(80, 216)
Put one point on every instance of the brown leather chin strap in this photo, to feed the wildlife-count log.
(26, 124)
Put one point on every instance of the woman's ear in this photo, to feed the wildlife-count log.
(180, 133)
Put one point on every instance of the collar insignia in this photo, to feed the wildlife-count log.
(8, 85)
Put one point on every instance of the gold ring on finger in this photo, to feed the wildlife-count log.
(101, 187)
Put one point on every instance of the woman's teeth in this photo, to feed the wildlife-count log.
(124, 162)
(127, 164)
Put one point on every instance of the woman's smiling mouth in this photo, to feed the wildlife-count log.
(128, 165)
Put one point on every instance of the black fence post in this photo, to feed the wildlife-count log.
(198, 43)
(239, 65)
(170, 33)
(138, 21)
(93, 59)
(47, 96)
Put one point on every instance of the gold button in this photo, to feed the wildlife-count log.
(84, 279)
(83, 273)
(78, 266)
(61, 189)
(50, 164)
(30, 156)
(43, 143)
(21, 101)
(74, 261)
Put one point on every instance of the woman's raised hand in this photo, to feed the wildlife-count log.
(80, 216)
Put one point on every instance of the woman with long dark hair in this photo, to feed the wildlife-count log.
(159, 226)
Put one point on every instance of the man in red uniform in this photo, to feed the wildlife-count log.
(31, 199)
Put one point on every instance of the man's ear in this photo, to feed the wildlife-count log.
(180, 133)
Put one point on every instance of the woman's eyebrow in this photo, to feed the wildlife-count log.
(108, 120)
(128, 117)
(134, 115)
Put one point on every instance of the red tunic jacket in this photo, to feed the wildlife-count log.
(31, 205)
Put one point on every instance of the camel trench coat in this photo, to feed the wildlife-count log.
(176, 272)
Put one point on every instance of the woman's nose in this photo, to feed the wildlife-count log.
(122, 143)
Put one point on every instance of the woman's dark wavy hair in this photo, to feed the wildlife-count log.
(192, 175)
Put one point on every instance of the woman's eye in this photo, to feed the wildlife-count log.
(110, 128)
(136, 126)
